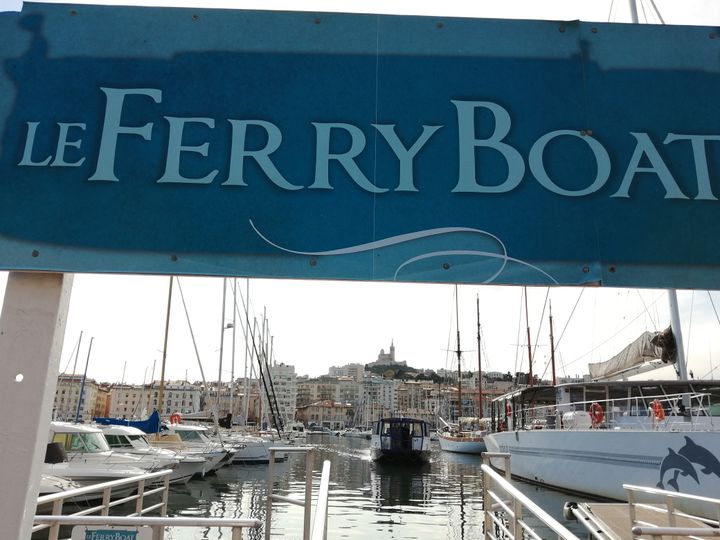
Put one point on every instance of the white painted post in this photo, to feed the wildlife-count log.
(32, 328)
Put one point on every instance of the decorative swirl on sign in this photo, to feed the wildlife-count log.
(503, 256)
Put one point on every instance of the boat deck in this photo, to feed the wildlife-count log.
(612, 520)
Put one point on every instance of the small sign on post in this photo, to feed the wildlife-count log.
(83, 532)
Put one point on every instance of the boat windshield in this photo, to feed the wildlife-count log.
(82, 442)
(138, 441)
(117, 441)
(190, 436)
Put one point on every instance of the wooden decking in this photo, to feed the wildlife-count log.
(614, 519)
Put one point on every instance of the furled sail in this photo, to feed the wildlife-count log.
(650, 346)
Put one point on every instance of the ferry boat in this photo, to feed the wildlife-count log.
(400, 440)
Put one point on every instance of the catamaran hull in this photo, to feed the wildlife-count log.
(599, 462)
(463, 445)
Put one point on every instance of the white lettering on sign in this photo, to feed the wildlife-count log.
(647, 157)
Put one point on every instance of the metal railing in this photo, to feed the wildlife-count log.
(142, 486)
(505, 506)
(627, 412)
(669, 499)
(314, 526)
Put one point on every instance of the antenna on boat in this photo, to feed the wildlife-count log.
(527, 321)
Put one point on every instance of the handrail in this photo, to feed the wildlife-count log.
(319, 526)
(675, 531)
(514, 507)
(320, 519)
(166, 521)
(672, 513)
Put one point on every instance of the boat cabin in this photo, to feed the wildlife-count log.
(400, 439)
(607, 405)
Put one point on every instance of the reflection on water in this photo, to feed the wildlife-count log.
(439, 500)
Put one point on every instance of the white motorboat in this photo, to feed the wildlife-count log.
(465, 437)
(86, 445)
(133, 441)
(400, 440)
(357, 433)
(192, 440)
(296, 431)
(590, 438)
(81, 472)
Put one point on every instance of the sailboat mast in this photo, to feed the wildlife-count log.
(552, 348)
(82, 386)
(677, 334)
(232, 364)
(164, 356)
(527, 321)
(480, 399)
(457, 319)
(222, 340)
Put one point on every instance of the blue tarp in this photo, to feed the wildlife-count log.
(151, 425)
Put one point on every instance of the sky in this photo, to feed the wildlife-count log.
(316, 325)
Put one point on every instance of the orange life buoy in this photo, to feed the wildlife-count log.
(175, 418)
(597, 415)
(658, 410)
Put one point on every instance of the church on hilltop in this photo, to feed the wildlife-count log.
(387, 359)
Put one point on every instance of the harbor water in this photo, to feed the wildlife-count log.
(439, 500)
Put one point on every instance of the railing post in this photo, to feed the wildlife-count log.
(269, 502)
(163, 508)
(517, 518)
(158, 532)
(141, 496)
(55, 528)
(106, 502)
(309, 464)
(487, 502)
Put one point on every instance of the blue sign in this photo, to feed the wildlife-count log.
(362, 147)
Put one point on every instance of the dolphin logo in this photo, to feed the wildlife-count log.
(680, 465)
(695, 453)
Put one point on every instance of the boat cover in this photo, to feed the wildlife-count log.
(649, 346)
(151, 425)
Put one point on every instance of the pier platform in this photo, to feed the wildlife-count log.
(612, 521)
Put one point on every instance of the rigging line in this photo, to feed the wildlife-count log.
(612, 5)
(615, 334)
(657, 12)
(542, 316)
(655, 326)
(642, 6)
(569, 318)
(692, 305)
(557, 343)
(71, 357)
(255, 349)
(192, 334)
(713, 306)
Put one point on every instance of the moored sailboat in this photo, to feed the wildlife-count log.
(467, 436)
